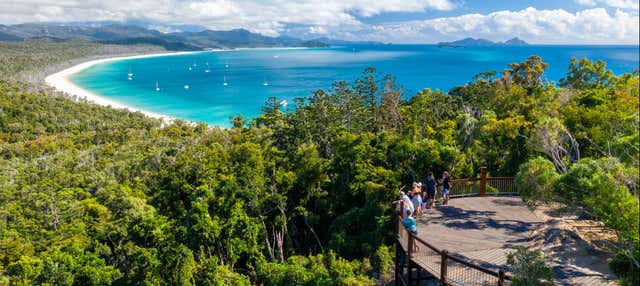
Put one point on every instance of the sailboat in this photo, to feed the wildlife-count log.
(157, 87)
(130, 74)
(225, 81)
(207, 69)
(265, 82)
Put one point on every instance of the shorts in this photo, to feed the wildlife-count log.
(431, 194)
(445, 192)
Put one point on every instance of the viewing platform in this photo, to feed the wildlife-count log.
(466, 242)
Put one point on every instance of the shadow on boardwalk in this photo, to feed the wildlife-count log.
(484, 230)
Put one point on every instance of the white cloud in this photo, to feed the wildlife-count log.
(621, 4)
(590, 26)
(317, 30)
(264, 16)
(343, 18)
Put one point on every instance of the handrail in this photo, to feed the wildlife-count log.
(500, 277)
(478, 267)
(478, 179)
(427, 244)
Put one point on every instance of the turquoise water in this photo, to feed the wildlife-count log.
(296, 72)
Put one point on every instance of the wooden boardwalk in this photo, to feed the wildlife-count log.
(481, 231)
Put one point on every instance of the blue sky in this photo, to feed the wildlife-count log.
(397, 21)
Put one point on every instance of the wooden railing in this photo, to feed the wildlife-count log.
(483, 186)
(415, 255)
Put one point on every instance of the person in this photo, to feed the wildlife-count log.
(417, 199)
(410, 225)
(430, 186)
(404, 203)
(446, 187)
(425, 197)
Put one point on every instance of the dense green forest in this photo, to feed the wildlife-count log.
(91, 195)
(32, 60)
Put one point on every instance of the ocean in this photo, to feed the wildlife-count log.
(192, 86)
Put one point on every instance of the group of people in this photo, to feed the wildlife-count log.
(422, 197)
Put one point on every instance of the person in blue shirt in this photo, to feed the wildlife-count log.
(430, 184)
(410, 223)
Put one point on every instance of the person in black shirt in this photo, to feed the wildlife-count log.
(446, 186)
(430, 186)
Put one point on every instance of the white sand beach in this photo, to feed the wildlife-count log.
(60, 81)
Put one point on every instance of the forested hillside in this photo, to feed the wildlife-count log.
(33, 60)
(90, 195)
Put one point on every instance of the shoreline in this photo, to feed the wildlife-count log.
(60, 82)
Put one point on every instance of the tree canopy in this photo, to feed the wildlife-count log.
(91, 195)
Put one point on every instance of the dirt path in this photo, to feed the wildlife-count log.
(576, 248)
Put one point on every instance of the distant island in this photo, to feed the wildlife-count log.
(471, 42)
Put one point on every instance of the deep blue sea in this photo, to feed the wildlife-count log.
(291, 73)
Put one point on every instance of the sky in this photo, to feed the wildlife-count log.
(396, 21)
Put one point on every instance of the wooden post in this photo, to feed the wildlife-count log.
(409, 261)
(501, 278)
(443, 267)
(397, 263)
(483, 181)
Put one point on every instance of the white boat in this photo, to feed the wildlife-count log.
(265, 82)
(207, 69)
(225, 81)
(130, 74)
(129, 78)
(157, 87)
(186, 86)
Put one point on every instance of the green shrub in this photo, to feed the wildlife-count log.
(315, 270)
(599, 187)
(382, 260)
(536, 180)
(625, 267)
(529, 268)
